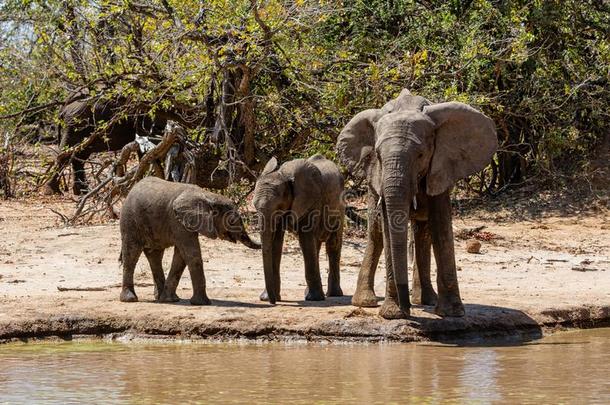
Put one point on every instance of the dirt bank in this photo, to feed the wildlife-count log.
(530, 277)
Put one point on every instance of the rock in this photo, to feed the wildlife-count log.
(473, 246)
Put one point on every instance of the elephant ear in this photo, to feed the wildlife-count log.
(356, 142)
(270, 166)
(306, 183)
(194, 211)
(464, 144)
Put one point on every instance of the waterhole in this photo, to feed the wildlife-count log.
(569, 367)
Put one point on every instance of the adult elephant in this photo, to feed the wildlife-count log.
(412, 152)
(81, 118)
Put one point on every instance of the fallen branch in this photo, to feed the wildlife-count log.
(583, 269)
(32, 110)
(468, 233)
(104, 288)
(118, 181)
(360, 222)
(80, 288)
(158, 152)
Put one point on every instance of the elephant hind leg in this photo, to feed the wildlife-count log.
(309, 247)
(365, 293)
(52, 186)
(333, 251)
(441, 230)
(130, 253)
(155, 259)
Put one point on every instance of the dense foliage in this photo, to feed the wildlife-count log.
(282, 77)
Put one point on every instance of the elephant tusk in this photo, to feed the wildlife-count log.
(378, 202)
(414, 203)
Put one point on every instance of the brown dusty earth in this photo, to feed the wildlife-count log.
(530, 277)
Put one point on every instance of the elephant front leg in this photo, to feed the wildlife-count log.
(365, 293)
(420, 246)
(276, 253)
(80, 182)
(192, 256)
(309, 247)
(441, 229)
(173, 278)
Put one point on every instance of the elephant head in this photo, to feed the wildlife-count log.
(356, 142)
(213, 216)
(283, 197)
(403, 151)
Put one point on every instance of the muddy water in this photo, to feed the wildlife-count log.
(568, 367)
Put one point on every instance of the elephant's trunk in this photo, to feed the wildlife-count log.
(397, 194)
(267, 241)
(245, 239)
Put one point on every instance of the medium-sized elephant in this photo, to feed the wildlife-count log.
(158, 214)
(81, 118)
(411, 152)
(305, 198)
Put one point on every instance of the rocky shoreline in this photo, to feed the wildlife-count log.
(358, 325)
(523, 284)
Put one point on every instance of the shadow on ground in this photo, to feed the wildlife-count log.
(483, 325)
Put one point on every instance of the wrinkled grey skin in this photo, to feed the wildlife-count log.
(158, 214)
(412, 152)
(303, 197)
(81, 117)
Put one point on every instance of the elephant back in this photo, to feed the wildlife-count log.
(76, 111)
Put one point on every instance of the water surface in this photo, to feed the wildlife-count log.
(567, 367)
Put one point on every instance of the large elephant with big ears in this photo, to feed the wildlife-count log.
(412, 152)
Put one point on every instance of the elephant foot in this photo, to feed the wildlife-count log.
(364, 298)
(453, 308)
(391, 310)
(265, 297)
(76, 190)
(334, 291)
(128, 295)
(50, 190)
(80, 187)
(168, 297)
(200, 300)
(314, 295)
(425, 297)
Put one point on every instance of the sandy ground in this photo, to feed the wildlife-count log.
(525, 281)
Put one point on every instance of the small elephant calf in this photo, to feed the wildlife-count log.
(303, 197)
(158, 214)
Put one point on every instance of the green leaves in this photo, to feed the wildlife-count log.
(301, 69)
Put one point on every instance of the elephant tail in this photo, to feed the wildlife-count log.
(121, 256)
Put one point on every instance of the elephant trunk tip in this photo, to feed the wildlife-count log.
(248, 242)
